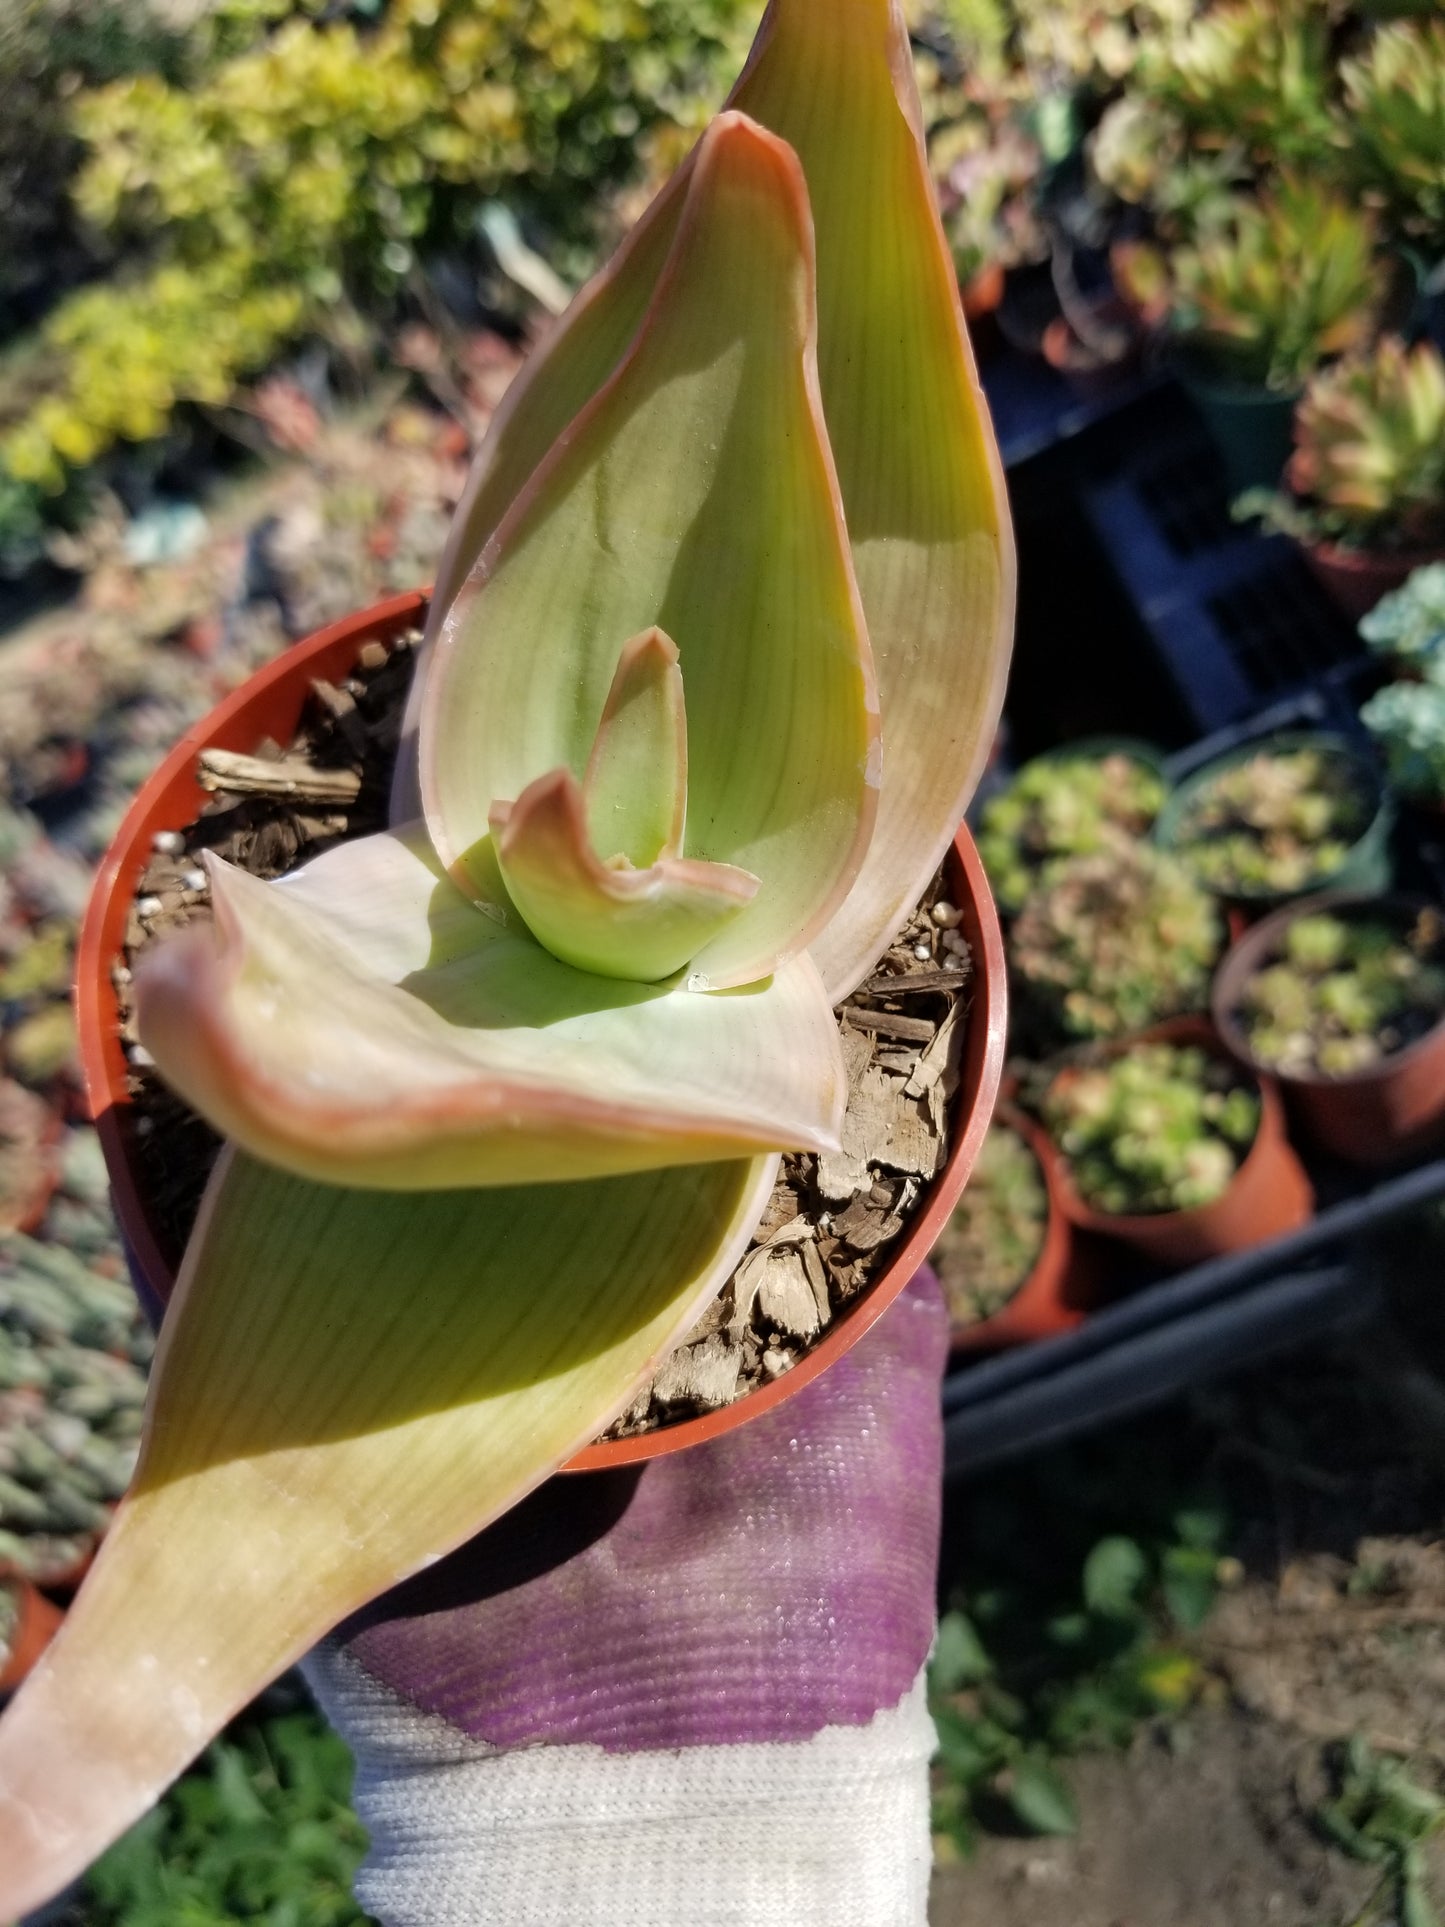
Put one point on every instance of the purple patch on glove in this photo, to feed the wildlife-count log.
(761, 1587)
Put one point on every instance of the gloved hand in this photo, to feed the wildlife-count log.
(677, 1695)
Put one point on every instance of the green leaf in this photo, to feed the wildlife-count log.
(641, 926)
(363, 1023)
(959, 1658)
(1115, 1573)
(920, 476)
(348, 1384)
(1040, 1797)
(635, 783)
(695, 492)
(1191, 1585)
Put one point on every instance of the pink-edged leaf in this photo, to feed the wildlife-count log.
(635, 783)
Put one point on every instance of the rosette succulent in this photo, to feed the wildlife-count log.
(1163, 1127)
(717, 648)
(1407, 721)
(1274, 822)
(1408, 624)
(1394, 135)
(1061, 806)
(996, 1231)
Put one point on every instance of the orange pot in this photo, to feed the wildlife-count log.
(1354, 579)
(982, 292)
(39, 1620)
(1268, 1196)
(1061, 1289)
(1394, 1109)
(270, 705)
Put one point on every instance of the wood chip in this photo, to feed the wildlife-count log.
(223, 769)
(913, 983)
(818, 1279)
(913, 1030)
(705, 1374)
(785, 1297)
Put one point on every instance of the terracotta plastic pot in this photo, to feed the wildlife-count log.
(1368, 865)
(982, 292)
(36, 1625)
(1062, 1287)
(1390, 1111)
(1087, 370)
(270, 705)
(1355, 580)
(1268, 1196)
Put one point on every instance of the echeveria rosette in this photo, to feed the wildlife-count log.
(482, 1187)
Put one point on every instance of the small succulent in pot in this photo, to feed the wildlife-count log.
(1255, 71)
(1368, 468)
(1160, 1127)
(1345, 992)
(1407, 721)
(1061, 806)
(1394, 135)
(1408, 624)
(718, 646)
(1274, 822)
(1271, 288)
(1113, 942)
(994, 1237)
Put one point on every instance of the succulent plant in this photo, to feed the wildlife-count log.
(1394, 135)
(1408, 624)
(1368, 468)
(1063, 806)
(1345, 992)
(506, 1084)
(1257, 70)
(987, 167)
(996, 1231)
(1161, 1127)
(1111, 943)
(1274, 823)
(1407, 721)
(1286, 282)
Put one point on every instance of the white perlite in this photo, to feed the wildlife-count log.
(826, 1832)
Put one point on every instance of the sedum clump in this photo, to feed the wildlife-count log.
(1345, 993)
(1063, 806)
(1408, 624)
(1275, 823)
(1116, 941)
(1163, 1127)
(1407, 721)
(993, 1239)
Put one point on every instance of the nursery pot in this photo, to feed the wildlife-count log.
(1268, 1195)
(1355, 579)
(1389, 1111)
(983, 291)
(270, 705)
(1367, 867)
(37, 1621)
(1252, 428)
(1061, 1289)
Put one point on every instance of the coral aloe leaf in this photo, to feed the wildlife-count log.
(920, 475)
(611, 919)
(635, 785)
(695, 491)
(348, 1384)
(363, 1023)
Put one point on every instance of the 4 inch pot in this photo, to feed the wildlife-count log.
(1061, 1289)
(1368, 866)
(270, 705)
(1390, 1111)
(1268, 1196)
(37, 1622)
(1355, 579)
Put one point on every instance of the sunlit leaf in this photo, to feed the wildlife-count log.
(348, 1384)
(363, 1023)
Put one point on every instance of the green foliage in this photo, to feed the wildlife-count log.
(1394, 99)
(1256, 70)
(1110, 943)
(1026, 1673)
(1409, 623)
(1368, 468)
(261, 1831)
(1346, 992)
(312, 170)
(995, 1234)
(1381, 1815)
(1159, 1128)
(1407, 721)
(1282, 283)
(1274, 823)
(1062, 806)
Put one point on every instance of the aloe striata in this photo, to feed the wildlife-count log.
(505, 1085)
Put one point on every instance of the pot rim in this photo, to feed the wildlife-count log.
(1189, 1029)
(1054, 1253)
(1363, 561)
(164, 802)
(1245, 956)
